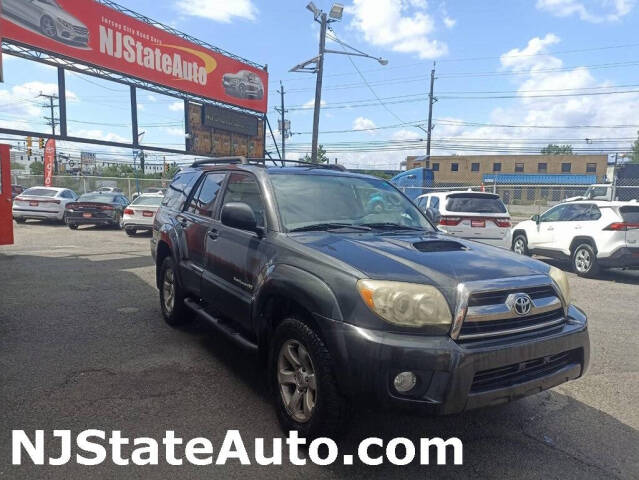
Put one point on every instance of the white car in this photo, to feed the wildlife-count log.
(139, 214)
(591, 234)
(43, 203)
(478, 216)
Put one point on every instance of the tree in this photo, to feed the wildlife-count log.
(553, 149)
(634, 155)
(17, 166)
(321, 156)
(37, 168)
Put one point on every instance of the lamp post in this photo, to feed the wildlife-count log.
(316, 64)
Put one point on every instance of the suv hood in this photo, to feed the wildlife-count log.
(435, 258)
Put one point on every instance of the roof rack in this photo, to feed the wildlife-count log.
(235, 160)
(220, 160)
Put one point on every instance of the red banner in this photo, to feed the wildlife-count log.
(49, 161)
(95, 34)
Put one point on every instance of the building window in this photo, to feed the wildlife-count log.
(519, 167)
(542, 167)
(566, 167)
(591, 168)
(530, 193)
(496, 167)
(517, 194)
(435, 167)
(474, 167)
(454, 167)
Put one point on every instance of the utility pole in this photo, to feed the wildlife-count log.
(51, 121)
(431, 101)
(318, 86)
(283, 126)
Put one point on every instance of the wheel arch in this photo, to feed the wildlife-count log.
(581, 240)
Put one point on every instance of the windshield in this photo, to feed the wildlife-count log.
(307, 200)
(97, 197)
(40, 192)
(475, 203)
(150, 200)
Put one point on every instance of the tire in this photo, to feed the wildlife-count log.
(20, 220)
(117, 223)
(328, 409)
(73, 226)
(584, 261)
(64, 218)
(47, 26)
(174, 310)
(520, 244)
(130, 232)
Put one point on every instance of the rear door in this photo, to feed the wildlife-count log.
(6, 217)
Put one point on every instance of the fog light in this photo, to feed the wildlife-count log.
(404, 382)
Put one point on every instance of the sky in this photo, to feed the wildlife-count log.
(511, 76)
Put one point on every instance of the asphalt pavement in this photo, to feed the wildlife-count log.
(83, 345)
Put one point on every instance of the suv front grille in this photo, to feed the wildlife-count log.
(490, 314)
(503, 377)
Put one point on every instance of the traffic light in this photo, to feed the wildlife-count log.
(29, 142)
(41, 144)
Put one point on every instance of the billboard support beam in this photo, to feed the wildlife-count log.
(62, 101)
(187, 126)
(134, 116)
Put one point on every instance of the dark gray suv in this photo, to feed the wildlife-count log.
(350, 303)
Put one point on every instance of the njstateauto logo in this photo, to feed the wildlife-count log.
(94, 447)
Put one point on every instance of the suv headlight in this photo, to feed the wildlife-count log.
(561, 280)
(406, 304)
(64, 23)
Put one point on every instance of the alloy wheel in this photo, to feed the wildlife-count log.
(583, 260)
(519, 246)
(48, 27)
(168, 291)
(297, 381)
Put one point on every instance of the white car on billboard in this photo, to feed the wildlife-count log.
(49, 18)
(243, 84)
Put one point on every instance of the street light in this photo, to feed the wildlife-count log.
(316, 64)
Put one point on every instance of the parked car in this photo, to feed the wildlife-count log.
(478, 216)
(156, 190)
(49, 18)
(591, 235)
(109, 190)
(96, 208)
(16, 190)
(243, 84)
(350, 306)
(42, 203)
(140, 213)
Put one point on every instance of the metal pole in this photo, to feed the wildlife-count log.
(318, 86)
(283, 132)
(431, 99)
(614, 179)
(62, 101)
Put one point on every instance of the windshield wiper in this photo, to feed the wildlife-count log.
(392, 226)
(330, 226)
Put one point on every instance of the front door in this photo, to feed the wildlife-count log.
(6, 217)
(235, 257)
(544, 234)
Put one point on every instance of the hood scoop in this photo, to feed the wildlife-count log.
(439, 246)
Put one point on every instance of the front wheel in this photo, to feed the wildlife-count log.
(174, 311)
(307, 398)
(520, 244)
(47, 25)
(584, 261)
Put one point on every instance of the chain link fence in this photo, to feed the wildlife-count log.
(86, 183)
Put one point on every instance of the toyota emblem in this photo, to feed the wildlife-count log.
(522, 304)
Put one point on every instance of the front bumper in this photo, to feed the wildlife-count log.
(368, 360)
(622, 257)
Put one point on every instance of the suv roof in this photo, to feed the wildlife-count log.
(605, 203)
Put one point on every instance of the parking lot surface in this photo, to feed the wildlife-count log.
(83, 345)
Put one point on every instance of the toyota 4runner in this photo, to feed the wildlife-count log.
(350, 304)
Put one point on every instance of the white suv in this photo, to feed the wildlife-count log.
(592, 235)
(471, 215)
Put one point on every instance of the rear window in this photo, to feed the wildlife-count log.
(41, 192)
(475, 203)
(97, 197)
(630, 214)
(150, 200)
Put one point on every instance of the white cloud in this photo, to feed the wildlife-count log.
(151, 98)
(219, 10)
(140, 106)
(363, 123)
(21, 106)
(399, 25)
(529, 58)
(177, 106)
(449, 22)
(310, 105)
(594, 11)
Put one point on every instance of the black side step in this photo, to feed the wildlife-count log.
(233, 335)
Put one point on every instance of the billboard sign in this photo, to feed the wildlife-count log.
(229, 120)
(92, 33)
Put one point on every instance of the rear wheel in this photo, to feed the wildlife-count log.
(584, 261)
(172, 296)
(520, 244)
(130, 232)
(73, 226)
(307, 398)
(21, 220)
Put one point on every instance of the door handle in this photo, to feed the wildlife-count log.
(577, 227)
(213, 234)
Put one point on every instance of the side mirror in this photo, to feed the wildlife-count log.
(535, 218)
(433, 215)
(241, 216)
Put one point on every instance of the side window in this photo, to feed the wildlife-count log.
(203, 200)
(179, 190)
(434, 203)
(242, 187)
(422, 202)
(554, 214)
